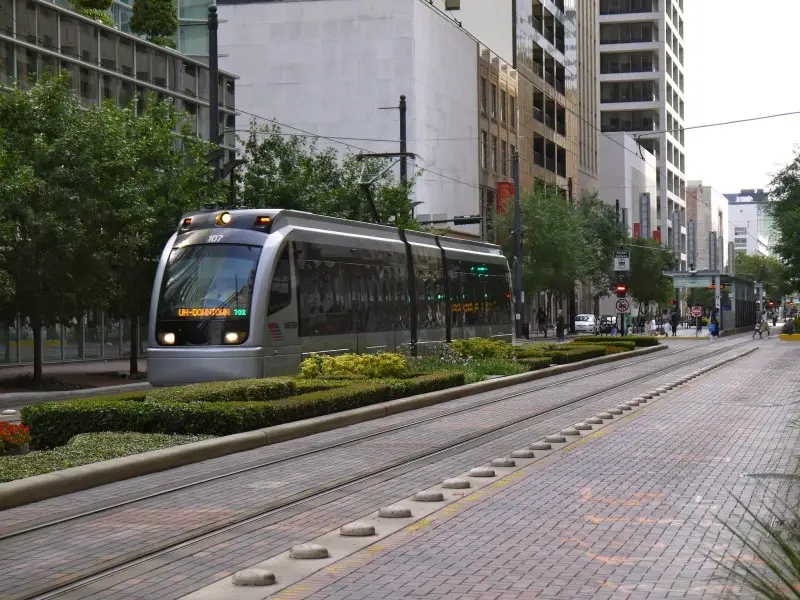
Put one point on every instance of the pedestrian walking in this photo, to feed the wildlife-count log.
(675, 319)
(713, 326)
(541, 319)
(762, 326)
(560, 326)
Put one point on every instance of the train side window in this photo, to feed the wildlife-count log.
(280, 291)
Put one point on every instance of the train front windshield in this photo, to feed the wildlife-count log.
(206, 295)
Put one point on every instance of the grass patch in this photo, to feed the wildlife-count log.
(474, 370)
(88, 448)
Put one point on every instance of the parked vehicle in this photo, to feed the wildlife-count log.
(586, 324)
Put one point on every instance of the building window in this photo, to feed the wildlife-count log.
(483, 95)
(494, 101)
(513, 111)
(504, 157)
(740, 231)
(484, 148)
(494, 153)
(503, 101)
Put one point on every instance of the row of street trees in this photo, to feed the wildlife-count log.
(90, 196)
(565, 242)
(785, 212)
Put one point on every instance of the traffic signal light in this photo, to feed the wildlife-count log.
(622, 290)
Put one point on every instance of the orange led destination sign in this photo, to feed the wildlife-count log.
(204, 312)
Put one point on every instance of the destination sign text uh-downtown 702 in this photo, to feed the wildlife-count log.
(212, 312)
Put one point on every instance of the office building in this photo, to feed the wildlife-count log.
(709, 211)
(641, 51)
(105, 63)
(538, 38)
(498, 133)
(751, 228)
(588, 96)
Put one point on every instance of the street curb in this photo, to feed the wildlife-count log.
(67, 481)
(11, 397)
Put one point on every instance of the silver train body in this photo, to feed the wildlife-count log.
(251, 293)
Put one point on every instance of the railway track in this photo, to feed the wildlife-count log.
(194, 540)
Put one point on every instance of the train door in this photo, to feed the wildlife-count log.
(282, 341)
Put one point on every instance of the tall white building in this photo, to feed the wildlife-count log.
(709, 210)
(338, 68)
(625, 174)
(750, 225)
(641, 92)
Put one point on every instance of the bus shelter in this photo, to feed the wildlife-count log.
(736, 299)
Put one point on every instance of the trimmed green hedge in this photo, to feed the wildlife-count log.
(620, 343)
(241, 390)
(641, 341)
(577, 353)
(54, 423)
(534, 363)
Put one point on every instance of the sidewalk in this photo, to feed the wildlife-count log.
(632, 513)
(95, 378)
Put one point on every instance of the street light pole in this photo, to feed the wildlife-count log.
(213, 82)
(518, 302)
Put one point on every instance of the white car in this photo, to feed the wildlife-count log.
(585, 324)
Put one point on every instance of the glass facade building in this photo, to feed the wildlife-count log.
(545, 55)
(103, 63)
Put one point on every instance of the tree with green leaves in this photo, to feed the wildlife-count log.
(286, 171)
(647, 283)
(156, 20)
(163, 179)
(784, 208)
(767, 270)
(604, 233)
(90, 197)
(555, 250)
(55, 257)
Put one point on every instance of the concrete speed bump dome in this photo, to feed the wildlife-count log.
(596, 420)
(582, 426)
(456, 483)
(482, 472)
(396, 511)
(523, 454)
(254, 577)
(429, 496)
(357, 529)
(308, 551)
(555, 439)
(503, 462)
(540, 446)
(614, 411)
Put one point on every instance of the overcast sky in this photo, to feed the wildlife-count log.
(740, 63)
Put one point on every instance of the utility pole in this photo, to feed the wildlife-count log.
(518, 298)
(403, 143)
(213, 82)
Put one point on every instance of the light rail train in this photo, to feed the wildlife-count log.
(250, 293)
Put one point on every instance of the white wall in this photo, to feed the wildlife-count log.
(710, 203)
(746, 215)
(329, 66)
(491, 21)
(624, 174)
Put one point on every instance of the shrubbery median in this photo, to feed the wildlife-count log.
(325, 385)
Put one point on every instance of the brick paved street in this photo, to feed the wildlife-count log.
(630, 515)
(87, 542)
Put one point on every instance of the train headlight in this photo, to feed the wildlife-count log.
(231, 337)
(223, 218)
(168, 338)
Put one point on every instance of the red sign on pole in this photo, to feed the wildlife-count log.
(505, 190)
(636, 230)
(696, 311)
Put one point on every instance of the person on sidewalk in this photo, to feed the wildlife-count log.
(713, 326)
(762, 326)
(675, 319)
(541, 320)
(560, 326)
